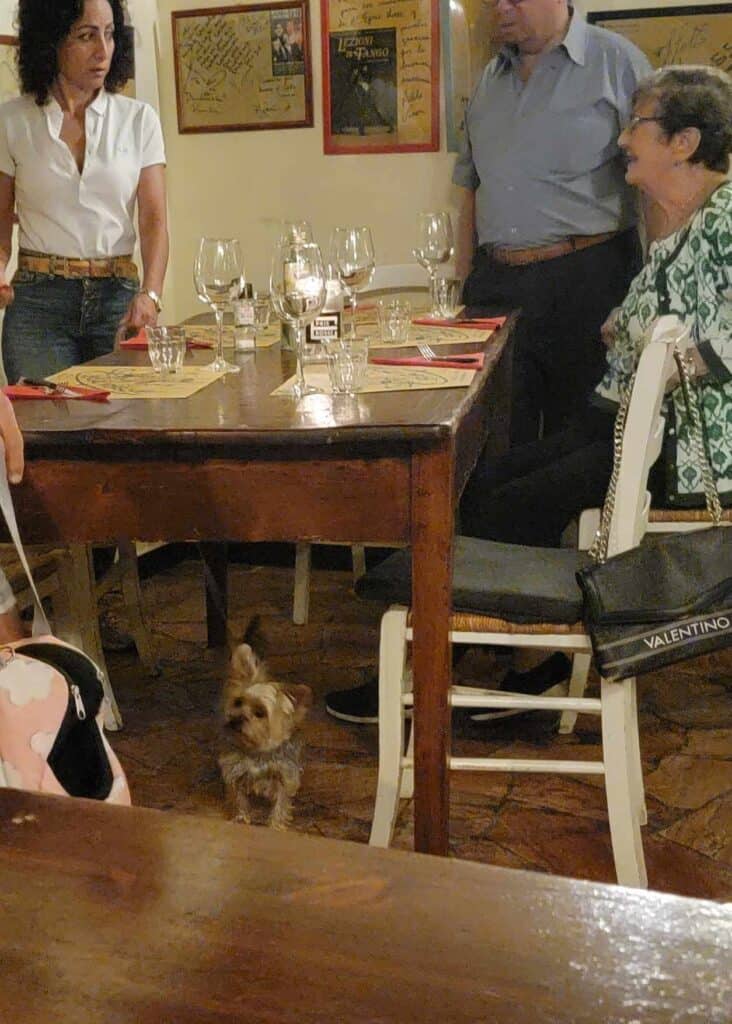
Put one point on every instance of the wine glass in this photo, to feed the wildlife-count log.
(352, 250)
(294, 232)
(434, 246)
(219, 277)
(297, 289)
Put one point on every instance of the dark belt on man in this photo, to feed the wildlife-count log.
(67, 266)
(541, 253)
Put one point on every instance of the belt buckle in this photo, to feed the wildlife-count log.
(56, 266)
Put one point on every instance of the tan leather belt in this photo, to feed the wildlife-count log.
(66, 266)
(540, 253)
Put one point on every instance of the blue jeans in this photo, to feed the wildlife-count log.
(56, 322)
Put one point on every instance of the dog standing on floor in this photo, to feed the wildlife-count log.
(260, 761)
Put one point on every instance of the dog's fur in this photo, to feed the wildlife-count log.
(260, 760)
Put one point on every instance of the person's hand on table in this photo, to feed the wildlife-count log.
(142, 312)
(12, 440)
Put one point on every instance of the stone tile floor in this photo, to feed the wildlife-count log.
(546, 823)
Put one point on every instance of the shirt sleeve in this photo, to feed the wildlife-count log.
(153, 147)
(7, 164)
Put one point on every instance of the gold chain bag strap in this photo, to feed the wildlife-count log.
(670, 598)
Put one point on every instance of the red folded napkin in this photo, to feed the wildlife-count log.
(140, 342)
(486, 323)
(471, 361)
(67, 392)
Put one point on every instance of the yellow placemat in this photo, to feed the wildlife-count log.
(367, 326)
(387, 378)
(138, 381)
(207, 333)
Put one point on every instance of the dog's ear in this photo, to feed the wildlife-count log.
(245, 663)
(302, 697)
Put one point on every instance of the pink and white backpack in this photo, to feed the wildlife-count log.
(51, 708)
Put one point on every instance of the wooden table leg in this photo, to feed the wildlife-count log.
(215, 556)
(432, 550)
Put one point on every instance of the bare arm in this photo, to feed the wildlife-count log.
(465, 238)
(153, 223)
(7, 209)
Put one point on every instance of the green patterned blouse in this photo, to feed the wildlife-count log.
(700, 288)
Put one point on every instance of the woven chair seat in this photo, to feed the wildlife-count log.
(507, 582)
(685, 515)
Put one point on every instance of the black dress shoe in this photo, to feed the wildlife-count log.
(359, 704)
(545, 680)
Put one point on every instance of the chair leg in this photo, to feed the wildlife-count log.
(621, 774)
(78, 620)
(358, 560)
(636, 762)
(392, 658)
(132, 594)
(301, 596)
(577, 683)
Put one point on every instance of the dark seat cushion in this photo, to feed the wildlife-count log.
(508, 581)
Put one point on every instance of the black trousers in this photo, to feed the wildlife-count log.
(558, 355)
(530, 494)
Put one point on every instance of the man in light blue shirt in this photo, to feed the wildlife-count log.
(547, 221)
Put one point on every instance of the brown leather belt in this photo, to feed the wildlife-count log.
(540, 253)
(66, 266)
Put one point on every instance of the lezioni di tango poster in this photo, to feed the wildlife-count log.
(380, 71)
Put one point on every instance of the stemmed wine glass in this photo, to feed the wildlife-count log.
(295, 231)
(297, 289)
(434, 246)
(352, 251)
(219, 277)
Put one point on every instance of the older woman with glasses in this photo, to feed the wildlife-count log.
(677, 147)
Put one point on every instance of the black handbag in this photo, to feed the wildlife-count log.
(670, 598)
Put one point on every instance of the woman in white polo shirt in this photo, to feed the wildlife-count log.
(76, 158)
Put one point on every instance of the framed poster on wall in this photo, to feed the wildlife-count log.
(243, 68)
(676, 35)
(380, 76)
(467, 47)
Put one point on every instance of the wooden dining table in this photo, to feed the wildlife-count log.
(234, 463)
(118, 915)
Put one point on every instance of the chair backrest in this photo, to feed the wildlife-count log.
(643, 435)
(404, 276)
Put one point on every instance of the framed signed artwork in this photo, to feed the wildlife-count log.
(380, 76)
(676, 35)
(243, 68)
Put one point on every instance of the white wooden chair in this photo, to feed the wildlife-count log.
(484, 575)
(408, 277)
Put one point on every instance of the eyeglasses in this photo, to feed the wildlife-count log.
(636, 119)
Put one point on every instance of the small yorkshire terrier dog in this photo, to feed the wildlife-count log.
(260, 760)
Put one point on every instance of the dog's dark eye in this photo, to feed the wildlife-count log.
(237, 702)
(260, 713)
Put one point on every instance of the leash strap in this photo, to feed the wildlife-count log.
(40, 622)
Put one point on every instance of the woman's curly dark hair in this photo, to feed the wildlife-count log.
(42, 26)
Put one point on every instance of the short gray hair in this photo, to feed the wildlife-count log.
(694, 96)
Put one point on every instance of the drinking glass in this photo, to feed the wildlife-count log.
(447, 296)
(166, 348)
(219, 277)
(295, 232)
(352, 251)
(395, 318)
(434, 246)
(347, 361)
(297, 290)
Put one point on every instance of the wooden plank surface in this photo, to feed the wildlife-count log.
(127, 916)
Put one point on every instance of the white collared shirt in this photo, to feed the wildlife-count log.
(88, 215)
